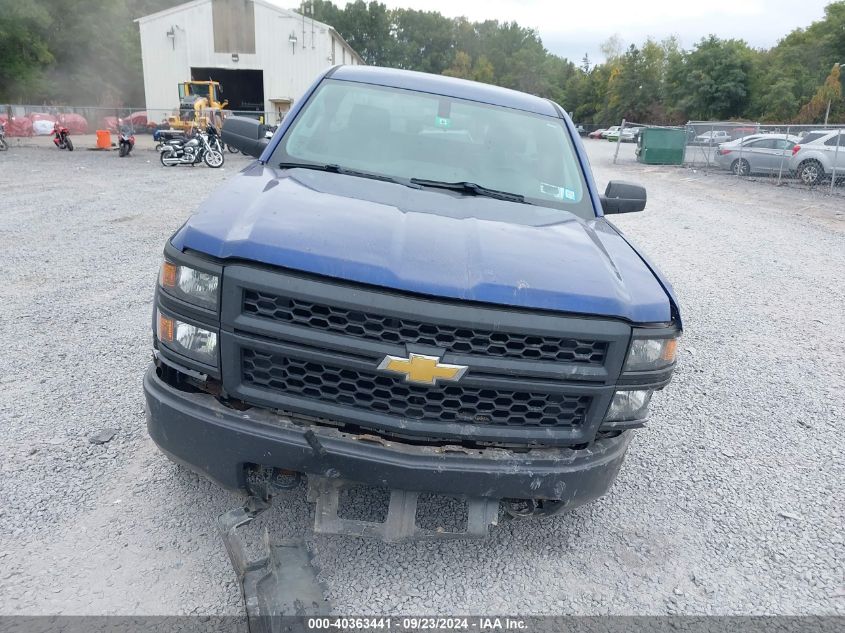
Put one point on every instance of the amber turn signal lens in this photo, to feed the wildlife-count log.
(166, 326)
(669, 349)
(168, 274)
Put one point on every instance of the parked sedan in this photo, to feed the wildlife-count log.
(713, 137)
(629, 135)
(611, 130)
(814, 161)
(756, 155)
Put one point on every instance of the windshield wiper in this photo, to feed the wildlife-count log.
(470, 187)
(337, 169)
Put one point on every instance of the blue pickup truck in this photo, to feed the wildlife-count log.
(415, 287)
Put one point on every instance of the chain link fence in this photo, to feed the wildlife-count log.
(35, 120)
(809, 157)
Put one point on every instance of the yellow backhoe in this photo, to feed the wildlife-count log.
(199, 104)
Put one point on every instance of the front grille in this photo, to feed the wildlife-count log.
(390, 396)
(389, 329)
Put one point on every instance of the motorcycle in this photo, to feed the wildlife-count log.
(162, 137)
(190, 152)
(3, 144)
(61, 137)
(216, 143)
(126, 141)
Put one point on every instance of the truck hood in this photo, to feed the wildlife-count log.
(426, 242)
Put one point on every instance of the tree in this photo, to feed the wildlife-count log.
(714, 80)
(612, 47)
(482, 70)
(24, 49)
(423, 40)
(461, 67)
(585, 63)
(72, 51)
(778, 102)
(635, 87)
(87, 52)
(366, 27)
(464, 67)
(826, 100)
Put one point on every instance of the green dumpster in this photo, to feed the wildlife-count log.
(661, 146)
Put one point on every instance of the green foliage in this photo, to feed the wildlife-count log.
(715, 80)
(72, 51)
(23, 47)
(656, 82)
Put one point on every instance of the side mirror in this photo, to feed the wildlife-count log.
(245, 134)
(623, 197)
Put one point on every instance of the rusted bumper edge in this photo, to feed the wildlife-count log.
(194, 429)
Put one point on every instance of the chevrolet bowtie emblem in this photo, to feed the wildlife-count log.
(423, 370)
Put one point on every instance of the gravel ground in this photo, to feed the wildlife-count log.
(730, 502)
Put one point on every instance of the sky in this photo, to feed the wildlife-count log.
(570, 29)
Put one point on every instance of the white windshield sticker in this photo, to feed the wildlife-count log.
(553, 191)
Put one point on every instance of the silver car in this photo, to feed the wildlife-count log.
(814, 160)
(711, 138)
(763, 154)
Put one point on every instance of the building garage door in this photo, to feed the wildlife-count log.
(244, 89)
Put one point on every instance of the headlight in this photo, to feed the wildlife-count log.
(186, 339)
(189, 284)
(629, 405)
(651, 353)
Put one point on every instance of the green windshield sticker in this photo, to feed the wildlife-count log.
(443, 121)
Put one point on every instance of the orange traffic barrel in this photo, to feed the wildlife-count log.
(103, 139)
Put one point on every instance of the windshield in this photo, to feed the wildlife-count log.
(811, 136)
(406, 135)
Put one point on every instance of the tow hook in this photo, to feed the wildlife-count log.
(279, 588)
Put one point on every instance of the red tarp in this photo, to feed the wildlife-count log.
(138, 119)
(75, 123)
(18, 126)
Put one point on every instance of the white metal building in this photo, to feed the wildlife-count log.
(264, 56)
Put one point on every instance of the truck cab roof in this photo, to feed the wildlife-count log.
(446, 86)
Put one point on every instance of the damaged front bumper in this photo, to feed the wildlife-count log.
(222, 443)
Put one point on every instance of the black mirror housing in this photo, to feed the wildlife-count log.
(623, 197)
(246, 134)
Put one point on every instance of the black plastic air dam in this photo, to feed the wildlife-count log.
(194, 429)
